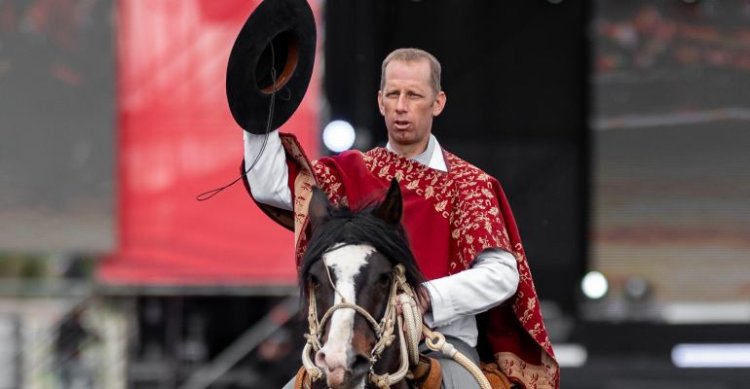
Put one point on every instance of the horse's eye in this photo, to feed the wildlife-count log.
(313, 281)
(384, 280)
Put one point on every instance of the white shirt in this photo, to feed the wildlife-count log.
(491, 279)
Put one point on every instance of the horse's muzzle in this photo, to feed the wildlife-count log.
(340, 371)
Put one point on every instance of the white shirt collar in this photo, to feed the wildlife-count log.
(432, 157)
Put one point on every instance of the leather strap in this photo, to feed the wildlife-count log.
(427, 374)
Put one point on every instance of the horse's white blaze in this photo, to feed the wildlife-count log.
(345, 263)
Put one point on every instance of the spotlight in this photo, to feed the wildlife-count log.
(338, 136)
(594, 285)
(711, 355)
(570, 354)
(637, 288)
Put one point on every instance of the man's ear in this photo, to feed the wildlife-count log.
(380, 103)
(319, 208)
(391, 209)
(439, 104)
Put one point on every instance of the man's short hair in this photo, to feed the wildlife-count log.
(411, 55)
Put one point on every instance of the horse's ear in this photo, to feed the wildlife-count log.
(319, 208)
(391, 208)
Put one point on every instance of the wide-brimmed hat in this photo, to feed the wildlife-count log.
(278, 35)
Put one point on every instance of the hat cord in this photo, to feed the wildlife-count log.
(271, 105)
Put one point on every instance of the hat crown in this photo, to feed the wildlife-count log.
(273, 54)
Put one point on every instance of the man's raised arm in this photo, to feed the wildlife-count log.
(268, 179)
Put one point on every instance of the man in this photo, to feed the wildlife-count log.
(458, 221)
(72, 339)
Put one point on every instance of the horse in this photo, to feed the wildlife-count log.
(354, 265)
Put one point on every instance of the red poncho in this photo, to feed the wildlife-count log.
(449, 218)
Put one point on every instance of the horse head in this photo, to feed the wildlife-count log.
(354, 264)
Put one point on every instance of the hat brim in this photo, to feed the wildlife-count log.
(280, 36)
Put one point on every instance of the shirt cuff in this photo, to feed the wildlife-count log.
(268, 177)
(440, 316)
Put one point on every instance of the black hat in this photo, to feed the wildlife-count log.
(280, 35)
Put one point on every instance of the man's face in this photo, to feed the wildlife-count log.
(408, 103)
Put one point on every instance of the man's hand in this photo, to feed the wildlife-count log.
(423, 299)
(423, 303)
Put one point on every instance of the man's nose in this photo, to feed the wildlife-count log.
(401, 103)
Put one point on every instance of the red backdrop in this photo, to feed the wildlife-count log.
(176, 140)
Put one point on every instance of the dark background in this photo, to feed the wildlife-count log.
(515, 74)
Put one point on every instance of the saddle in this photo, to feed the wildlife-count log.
(497, 379)
(428, 375)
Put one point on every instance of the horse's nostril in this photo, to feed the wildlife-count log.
(320, 359)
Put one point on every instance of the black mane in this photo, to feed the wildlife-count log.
(360, 227)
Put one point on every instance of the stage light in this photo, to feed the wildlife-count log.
(571, 355)
(729, 355)
(594, 285)
(637, 288)
(706, 312)
(338, 136)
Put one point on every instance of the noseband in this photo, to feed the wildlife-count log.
(384, 330)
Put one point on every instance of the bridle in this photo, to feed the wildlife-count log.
(409, 324)
(384, 329)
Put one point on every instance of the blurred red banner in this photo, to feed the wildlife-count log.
(177, 139)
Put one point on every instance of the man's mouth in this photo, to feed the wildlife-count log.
(401, 124)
